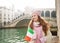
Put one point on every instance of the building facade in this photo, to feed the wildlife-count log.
(7, 16)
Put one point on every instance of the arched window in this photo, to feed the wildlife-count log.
(8, 22)
(0, 25)
(47, 14)
(53, 14)
(4, 23)
(42, 14)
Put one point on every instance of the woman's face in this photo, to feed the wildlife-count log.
(35, 17)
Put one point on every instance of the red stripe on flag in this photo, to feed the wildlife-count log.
(27, 38)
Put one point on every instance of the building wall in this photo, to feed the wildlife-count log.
(58, 15)
(7, 16)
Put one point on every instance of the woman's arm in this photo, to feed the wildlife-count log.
(30, 22)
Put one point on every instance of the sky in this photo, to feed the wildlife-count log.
(21, 4)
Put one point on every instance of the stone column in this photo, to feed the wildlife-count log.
(58, 16)
(44, 14)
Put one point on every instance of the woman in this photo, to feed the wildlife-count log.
(40, 26)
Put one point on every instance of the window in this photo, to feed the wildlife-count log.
(8, 22)
(53, 14)
(47, 14)
(0, 25)
(4, 18)
(4, 23)
(42, 14)
(0, 15)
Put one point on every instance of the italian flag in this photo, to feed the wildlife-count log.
(30, 34)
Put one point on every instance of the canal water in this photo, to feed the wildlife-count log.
(15, 35)
(12, 35)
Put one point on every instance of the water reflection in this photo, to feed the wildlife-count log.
(12, 35)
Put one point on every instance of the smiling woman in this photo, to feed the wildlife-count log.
(13, 15)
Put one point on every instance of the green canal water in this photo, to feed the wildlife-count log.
(12, 35)
(16, 35)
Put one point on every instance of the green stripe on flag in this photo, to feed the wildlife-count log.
(30, 30)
